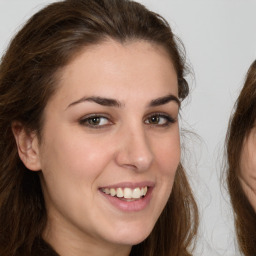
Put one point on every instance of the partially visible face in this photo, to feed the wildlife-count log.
(247, 173)
(110, 144)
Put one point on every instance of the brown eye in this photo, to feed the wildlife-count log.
(154, 120)
(159, 120)
(95, 121)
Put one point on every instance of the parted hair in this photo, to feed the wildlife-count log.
(29, 72)
(241, 123)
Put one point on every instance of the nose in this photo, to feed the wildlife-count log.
(134, 151)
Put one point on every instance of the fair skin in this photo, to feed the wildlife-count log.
(112, 126)
(247, 175)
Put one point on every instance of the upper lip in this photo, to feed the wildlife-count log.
(131, 185)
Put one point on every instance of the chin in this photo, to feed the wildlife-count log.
(133, 236)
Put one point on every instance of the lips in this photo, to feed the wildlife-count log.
(128, 197)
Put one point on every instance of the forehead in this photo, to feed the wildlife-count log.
(119, 67)
(109, 50)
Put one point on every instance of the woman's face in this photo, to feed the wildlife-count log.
(110, 145)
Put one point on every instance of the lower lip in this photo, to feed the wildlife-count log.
(130, 206)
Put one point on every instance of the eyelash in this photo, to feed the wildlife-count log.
(168, 119)
(86, 121)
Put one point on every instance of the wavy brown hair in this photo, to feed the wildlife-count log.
(28, 77)
(241, 123)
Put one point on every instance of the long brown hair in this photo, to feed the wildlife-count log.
(28, 78)
(242, 122)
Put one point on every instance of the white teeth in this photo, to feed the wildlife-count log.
(137, 193)
(112, 192)
(119, 192)
(145, 190)
(126, 193)
(107, 191)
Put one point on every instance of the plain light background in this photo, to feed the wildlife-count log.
(220, 40)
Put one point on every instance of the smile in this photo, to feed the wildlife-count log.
(126, 193)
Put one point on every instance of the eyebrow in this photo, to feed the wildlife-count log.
(164, 100)
(115, 103)
(99, 100)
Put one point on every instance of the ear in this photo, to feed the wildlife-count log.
(28, 146)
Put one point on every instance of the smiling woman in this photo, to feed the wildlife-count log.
(90, 93)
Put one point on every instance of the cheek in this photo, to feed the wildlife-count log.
(76, 151)
(167, 159)
(247, 176)
(70, 174)
(247, 173)
(69, 164)
(248, 160)
(168, 155)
